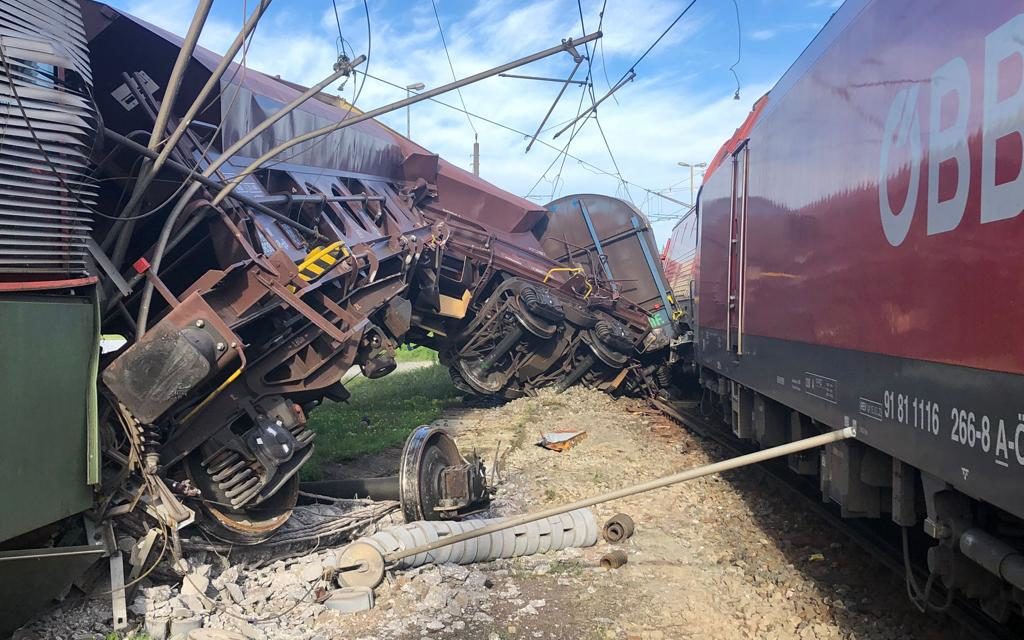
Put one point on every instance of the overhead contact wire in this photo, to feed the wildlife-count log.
(451, 66)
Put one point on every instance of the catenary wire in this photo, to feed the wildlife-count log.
(337, 20)
(451, 66)
(600, 48)
(583, 163)
(355, 99)
(739, 48)
(593, 100)
(655, 43)
(562, 153)
(577, 124)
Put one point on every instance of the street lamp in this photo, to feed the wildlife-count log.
(418, 86)
(699, 165)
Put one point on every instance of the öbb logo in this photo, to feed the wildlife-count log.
(1002, 116)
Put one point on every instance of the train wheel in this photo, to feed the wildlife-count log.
(246, 526)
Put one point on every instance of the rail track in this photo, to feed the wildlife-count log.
(874, 536)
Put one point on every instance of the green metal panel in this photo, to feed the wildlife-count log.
(47, 345)
(32, 578)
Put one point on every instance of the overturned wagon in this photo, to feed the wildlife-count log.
(242, 242)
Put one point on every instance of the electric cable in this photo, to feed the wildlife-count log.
(563, 153)
(593, 100)
(341, 38)
(655, 43)
(451, 66)
(611, 155)
(577, 123)
(589, 166)
(739, 49)
(600, 46)
(355, 99)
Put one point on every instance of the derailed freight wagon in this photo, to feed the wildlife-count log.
(234, 292)
(860, 265)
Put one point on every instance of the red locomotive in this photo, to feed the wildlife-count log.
(859, 264)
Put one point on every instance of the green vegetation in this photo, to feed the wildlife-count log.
(415, 354)
(394, 406)
(566, 567)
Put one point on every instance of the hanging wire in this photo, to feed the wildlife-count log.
(611, 155)
(585, 164)
(451, 66)
(341, 39)
(593, 100)
(577, 123)
(655, 43)
(355, 98)
(563, 153)
(600, 49)
(739, 50)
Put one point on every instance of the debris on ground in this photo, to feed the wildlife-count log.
(614, 559)
(618, 528)
(718, 557)
(561, 440)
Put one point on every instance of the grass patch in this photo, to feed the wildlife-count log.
(394, 405)
(415, 354)
(566, 567)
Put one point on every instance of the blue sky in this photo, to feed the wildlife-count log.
(679, 107)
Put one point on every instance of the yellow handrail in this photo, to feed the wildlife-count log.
(574, 271)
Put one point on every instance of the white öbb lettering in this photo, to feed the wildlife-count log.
(1001, 116)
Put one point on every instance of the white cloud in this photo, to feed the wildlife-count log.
(763, 34)
(658, 119)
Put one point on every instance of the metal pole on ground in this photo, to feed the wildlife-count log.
(360, 564)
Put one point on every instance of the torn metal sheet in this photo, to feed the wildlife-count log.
(561, 440)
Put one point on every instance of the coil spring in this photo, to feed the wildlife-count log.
(529, 297)
(150, 438)
(663, 376)
(612, 334)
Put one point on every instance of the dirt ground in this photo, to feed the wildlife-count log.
(719, 557)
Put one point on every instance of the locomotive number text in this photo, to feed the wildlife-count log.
(971, 429)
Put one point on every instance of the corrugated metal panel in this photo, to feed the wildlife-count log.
(47, 128)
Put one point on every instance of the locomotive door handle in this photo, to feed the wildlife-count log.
(736, 270)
